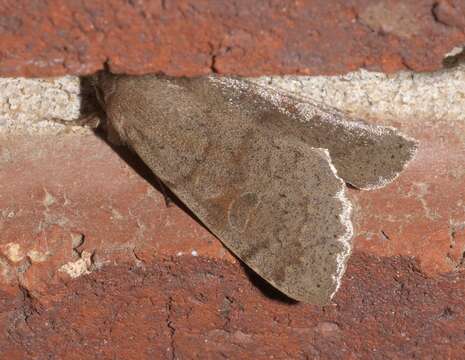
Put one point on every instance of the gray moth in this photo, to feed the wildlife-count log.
(264, 171)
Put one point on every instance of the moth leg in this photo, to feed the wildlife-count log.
(168, 200)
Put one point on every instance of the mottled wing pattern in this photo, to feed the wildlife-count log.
(366, 156)
(272, 199)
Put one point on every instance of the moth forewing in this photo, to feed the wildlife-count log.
(255, 174)
(366, 156)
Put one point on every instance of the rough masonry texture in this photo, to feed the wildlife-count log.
(265, 172)
(93, 264)
(195, 308)
(158, 283)
(242, 37)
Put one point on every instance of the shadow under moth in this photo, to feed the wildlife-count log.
(264, 171)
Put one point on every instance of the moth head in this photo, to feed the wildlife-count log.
(104, 84)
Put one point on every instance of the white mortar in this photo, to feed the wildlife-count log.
(26, 104)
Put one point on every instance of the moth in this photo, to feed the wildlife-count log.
(264, 171)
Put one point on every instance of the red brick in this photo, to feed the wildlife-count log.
(193, 307)
(192, 37)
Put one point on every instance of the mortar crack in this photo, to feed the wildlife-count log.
(29, 307)
(213, 64)
(385, 235)
(456, 263)
(171, 327)
(225, 312)
(434, 9)
(136, 257)
(447, 15)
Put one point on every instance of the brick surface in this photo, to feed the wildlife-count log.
(152, 282)
(422, 214)
(196, 308)
(94, 265)
(191, 37)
